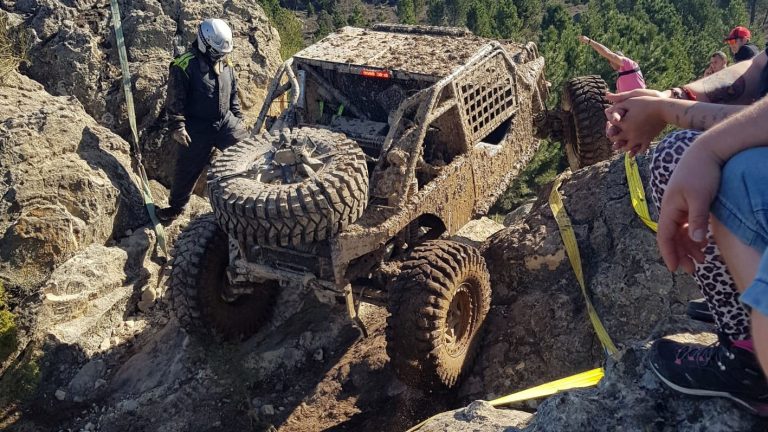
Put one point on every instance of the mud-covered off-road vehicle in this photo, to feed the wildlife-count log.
(393, 140)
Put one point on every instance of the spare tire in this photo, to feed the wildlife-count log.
(289, 213)
(584, 104)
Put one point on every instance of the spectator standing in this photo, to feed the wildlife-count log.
(630, 77)
(738, 42)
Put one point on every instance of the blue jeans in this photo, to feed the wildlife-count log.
(742, 207)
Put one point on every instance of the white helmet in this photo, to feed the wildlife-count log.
(214, 38)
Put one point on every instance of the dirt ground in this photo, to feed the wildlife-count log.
(311, 372)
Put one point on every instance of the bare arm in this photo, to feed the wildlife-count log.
(606, 53)
(696, 115)
(738, 133)
(738, 84)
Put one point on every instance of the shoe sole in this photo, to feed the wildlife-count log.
(761, 410)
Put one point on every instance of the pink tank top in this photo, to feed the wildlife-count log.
(630, 77)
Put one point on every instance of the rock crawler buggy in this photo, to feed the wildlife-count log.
(394, 139)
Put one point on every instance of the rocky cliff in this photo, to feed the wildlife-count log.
(74, 53)
(96, 346)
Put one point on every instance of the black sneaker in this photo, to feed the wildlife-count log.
(699, 310)
(720, 369)
(168, 214)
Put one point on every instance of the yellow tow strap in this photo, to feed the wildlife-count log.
(584, 379)
(572, 248)
(637, 192)
(146, 192)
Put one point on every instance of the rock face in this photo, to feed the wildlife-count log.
(66, 183)
(630, 397)
(538, 329)
(74, 53)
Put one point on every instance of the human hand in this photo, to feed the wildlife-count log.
(181, 136)
(585, 40)
(684, 216)
(635, 122)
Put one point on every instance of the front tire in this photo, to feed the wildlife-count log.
(199, 281)
(437, 308)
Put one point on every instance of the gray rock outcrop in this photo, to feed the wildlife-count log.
(629, 398)
(538, 329)
(74, 53)
(67, 182)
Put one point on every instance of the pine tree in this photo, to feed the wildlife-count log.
(436, 12)
(478, 20)
(406, 11)
(507, 23)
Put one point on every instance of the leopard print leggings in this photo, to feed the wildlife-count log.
(731, 318)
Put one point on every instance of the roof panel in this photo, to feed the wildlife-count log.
(410, 53)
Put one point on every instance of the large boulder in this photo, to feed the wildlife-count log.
(67, 182)
(629, 397)
(74, 53)
(538, 329)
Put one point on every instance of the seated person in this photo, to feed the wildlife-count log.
(638, 117)
(722, 175)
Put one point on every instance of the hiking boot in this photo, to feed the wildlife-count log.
(721, 369)
(168, 214)
(699, 310)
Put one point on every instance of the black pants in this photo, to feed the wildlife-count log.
(192, 160)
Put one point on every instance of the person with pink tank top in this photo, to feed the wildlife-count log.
(630, 76)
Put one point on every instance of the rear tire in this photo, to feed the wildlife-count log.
(437, 308)
(584, 103)
(198, 278)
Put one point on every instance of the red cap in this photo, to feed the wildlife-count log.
(739, 32)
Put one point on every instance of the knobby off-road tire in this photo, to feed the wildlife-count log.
(198, 276)
(289, 214)
(437, 307)
(584, 103)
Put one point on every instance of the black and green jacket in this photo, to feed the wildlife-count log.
(197, 94)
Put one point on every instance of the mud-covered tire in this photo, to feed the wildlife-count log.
(289, 214)
(584, 103)
(440, 282)
(198, 274)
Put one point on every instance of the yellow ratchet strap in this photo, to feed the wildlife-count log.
(637, 192)
(572, 248)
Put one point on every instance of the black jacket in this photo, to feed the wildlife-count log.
(196, 94)
(746, 52)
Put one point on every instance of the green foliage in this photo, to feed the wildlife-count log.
(542, 170)
(357, 17)
(436, 12)
(20, 380)
(288, 26)
(406, 11)
(13, 46)
(8, 331)
(324, 24)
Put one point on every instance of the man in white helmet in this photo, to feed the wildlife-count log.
(203, 109)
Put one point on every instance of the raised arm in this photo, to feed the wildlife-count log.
(613, 58)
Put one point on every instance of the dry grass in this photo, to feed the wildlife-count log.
(14, 44)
